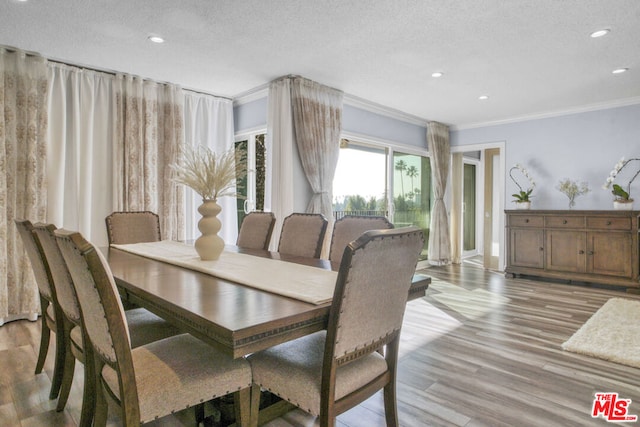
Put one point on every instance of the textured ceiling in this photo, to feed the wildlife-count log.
(531, 57)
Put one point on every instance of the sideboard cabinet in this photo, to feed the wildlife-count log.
(587, 246)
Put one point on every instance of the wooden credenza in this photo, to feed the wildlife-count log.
(586, 246)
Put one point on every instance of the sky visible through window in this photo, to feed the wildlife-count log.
(359, 173)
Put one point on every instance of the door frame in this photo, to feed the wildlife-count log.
(500, 145)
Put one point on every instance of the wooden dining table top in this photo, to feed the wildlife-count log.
(235, 318)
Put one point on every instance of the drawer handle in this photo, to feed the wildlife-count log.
(590, 253)
(526, 220)
(541, 248)
(608, 222)
(581, 252)
(564, 221)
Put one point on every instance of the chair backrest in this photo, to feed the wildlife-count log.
(133, 227)
(103, 317)
(37, 259)
(255, 230)
(349, 228)
(61, 279)
(303, 234)
(371, 293)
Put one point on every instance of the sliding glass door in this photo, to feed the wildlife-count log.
(378, 180)
(412, 193)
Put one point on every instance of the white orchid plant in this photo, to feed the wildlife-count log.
(209, 174)
(620, 194)
(522, 195)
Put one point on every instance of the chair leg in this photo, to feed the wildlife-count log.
(390, 404)
(242, 407)
(58, 369)
(67, 379)
(45, 335)
(255, 395)
(199, 413)
(91, 393)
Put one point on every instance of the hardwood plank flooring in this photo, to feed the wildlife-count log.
(479, 350)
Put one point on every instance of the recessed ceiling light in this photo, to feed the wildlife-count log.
(620, 70)
(155, 39)
(437, 74)
(483, 97)
(600, 33)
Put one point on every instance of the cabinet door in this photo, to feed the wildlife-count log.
(609, 254)
(526, 248)
(565, 251)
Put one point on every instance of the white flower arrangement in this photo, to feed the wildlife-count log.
(620, 193)
(207, 173)
(572, 189)
(522, 195)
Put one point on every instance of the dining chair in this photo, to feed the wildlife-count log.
(329, 372)
(51, 313)
(303, 234)
(349, 228)
(153, 380)
(255, 230)
(145, 327)
(133, 227)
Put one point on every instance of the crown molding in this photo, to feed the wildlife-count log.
(382, 110)
(251, 95)
(576, 110)
(262, 91)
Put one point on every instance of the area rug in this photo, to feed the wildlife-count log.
(612, 333)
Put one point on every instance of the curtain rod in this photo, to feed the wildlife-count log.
(105, 71)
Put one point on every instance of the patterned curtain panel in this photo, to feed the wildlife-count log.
(317, 122)
(148, 136)
(23, 157)
(438, 145)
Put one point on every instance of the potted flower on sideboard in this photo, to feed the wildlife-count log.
(622, 196)
(522, 198)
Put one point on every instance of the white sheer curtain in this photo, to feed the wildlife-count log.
(148, 134)
(279, 177)
(79, 138)
(208, 121)
(438, 145)
(23, 156)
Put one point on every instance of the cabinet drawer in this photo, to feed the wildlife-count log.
(608, 223)
(564, 222)
(525, 221)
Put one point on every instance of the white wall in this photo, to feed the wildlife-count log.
(583, 146)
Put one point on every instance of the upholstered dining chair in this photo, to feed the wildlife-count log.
(51, 313)
(303, 234)
(153, 380)
(133, 227)
(144, 326)
(349, 228)
(255, 230)
(329, 372)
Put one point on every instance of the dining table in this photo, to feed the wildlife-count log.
(235, 318)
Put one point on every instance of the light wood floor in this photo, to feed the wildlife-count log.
(478, 350)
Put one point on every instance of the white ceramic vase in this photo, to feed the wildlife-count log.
(623, 206)
(209, 246)
(523, 205)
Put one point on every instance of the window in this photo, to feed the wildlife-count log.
(367, 173)
(252, 186)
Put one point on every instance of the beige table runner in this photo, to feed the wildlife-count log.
(302, 282)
